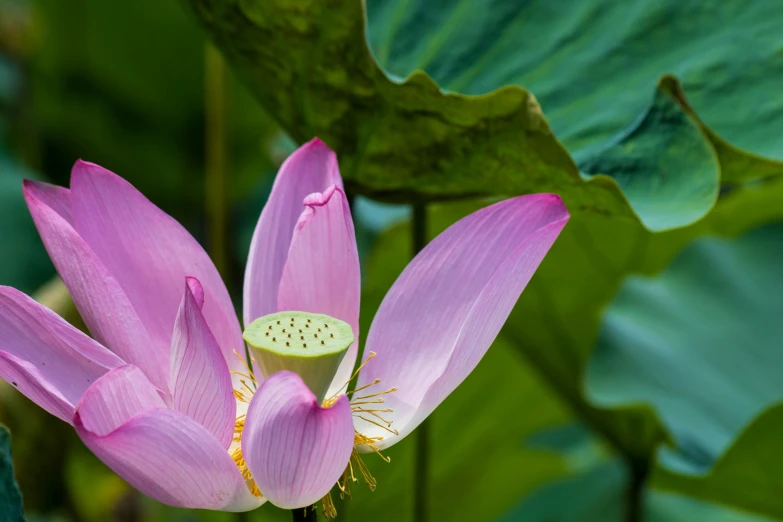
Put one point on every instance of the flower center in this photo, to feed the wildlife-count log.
(311, 345)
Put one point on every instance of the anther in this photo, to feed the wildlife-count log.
(287, 343)
(322, 342)
(274, 339)
(308, 320)
(326, 325)
(307, 326)
(300, 330)
(278, 322)
(315, 335)
(301, 337)
(267, 334)
(304, 345)
(289, 336)
(331, 335)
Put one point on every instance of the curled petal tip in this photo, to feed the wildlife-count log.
(319, 199)
(196, 290)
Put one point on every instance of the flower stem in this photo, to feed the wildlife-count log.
(634, 497)
(304, 515)
(422, 437)
(215, 141)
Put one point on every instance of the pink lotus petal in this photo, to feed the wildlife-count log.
(312, 168)
(56, 198)
(44, 357)
(321, 274)
(449, 304)
(101, 300)
(295, 449)
(164, 454)
(29, 380)
(200, 380)
(150, 254)
(116, 397)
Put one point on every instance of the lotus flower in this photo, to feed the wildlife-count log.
(164, 396)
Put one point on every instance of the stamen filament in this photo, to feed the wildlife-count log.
(390, 430)
(246, 365)
(390, 390)
(372, 354)
(360, 388)
(327, 504)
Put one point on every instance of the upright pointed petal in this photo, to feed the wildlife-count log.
(44, 357)
(295, 449)
(321, 274)
(162, 453)
(101, 300)
(56, 198)
(150, 254)
(312, 168)
(200, 380)
(449, 304)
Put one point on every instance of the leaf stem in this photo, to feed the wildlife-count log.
(304, 515)
(215, 141)
(634, 496)
(421, 470)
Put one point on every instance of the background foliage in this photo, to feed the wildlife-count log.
(640, 367)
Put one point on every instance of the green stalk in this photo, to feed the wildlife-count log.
(634, 496)
(215, 141)
(304, 515)
(421, 464)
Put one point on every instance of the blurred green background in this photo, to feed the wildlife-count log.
(639, 376)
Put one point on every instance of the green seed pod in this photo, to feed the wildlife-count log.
(311, 345)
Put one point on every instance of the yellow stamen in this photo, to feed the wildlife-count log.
(372, 354)
(240, 462)
(390, 390)
(244, 394)
(355, 463)
(365, 419)
(360, 388)
(250, 373)
(327, 504)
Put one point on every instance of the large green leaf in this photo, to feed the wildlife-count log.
(747, 475)
(10, 498)
(701, 341)
(592, 63)
(701, 344)
(598, 496)
(309, 64)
